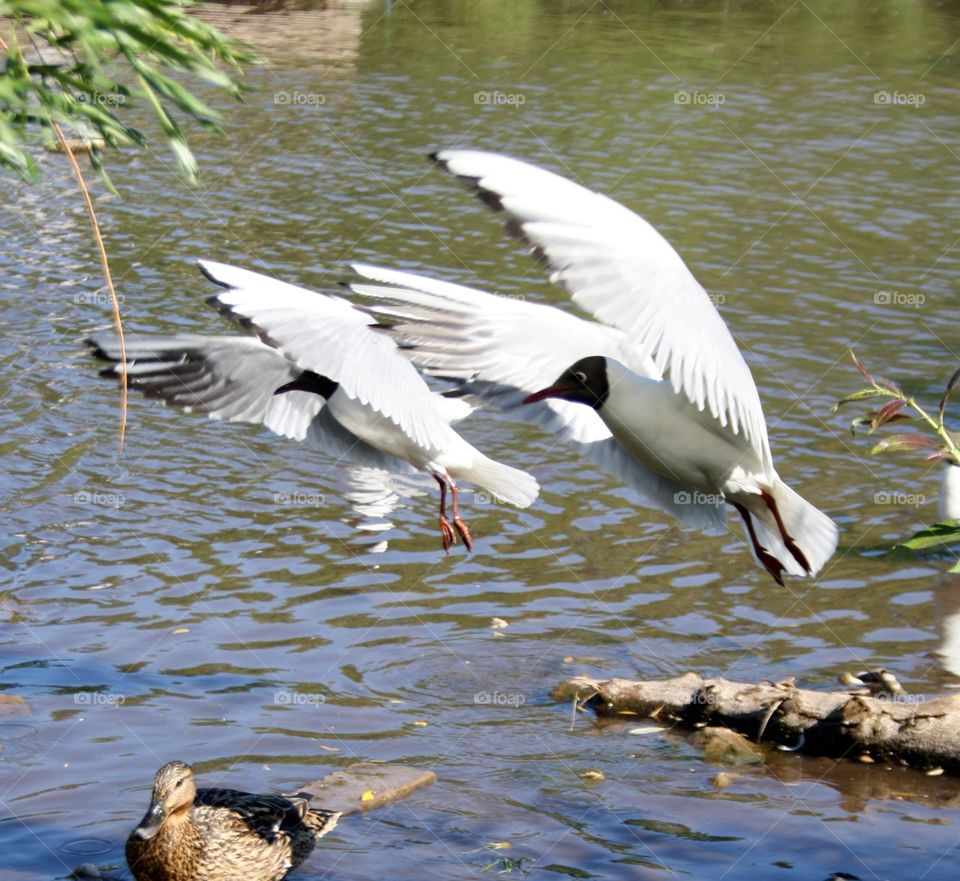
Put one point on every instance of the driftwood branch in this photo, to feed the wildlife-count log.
(899, 728)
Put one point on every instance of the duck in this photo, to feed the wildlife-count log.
(316, 369)
(191, 834)
(652, 387)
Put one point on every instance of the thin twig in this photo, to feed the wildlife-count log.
(105, 266)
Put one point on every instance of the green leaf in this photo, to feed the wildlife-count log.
(938, 536)
(861, 395)
(951, 385)
(899, 442)
(861, 368)
(889, 412)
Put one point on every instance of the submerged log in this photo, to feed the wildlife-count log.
(899, 728)
(364, 786)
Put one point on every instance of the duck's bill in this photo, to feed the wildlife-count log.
(554, 391)
(150, 824)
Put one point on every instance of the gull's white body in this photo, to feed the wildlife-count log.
(682, 422)
(642, 412)
(449, 453)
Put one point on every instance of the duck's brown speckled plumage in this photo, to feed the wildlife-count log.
(191, 834)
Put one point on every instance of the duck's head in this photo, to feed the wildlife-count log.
(584, 383)
(174, 789)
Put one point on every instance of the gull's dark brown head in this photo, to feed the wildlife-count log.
(583, 383)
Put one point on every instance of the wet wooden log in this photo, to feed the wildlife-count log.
(367, 785)
(900, 728)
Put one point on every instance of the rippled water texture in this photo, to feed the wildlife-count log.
(221, 596)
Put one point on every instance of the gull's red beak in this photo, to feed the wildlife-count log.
(552, 392)
(559, 389)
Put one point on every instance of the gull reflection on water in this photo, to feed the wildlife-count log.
(375, 494)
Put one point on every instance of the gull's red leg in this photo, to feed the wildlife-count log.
(788, 540)
(445, 531)
(458, 521)
(773, 565)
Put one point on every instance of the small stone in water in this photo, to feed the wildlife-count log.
(646, 729)
(723, 780)
(723, 745)
(593, 775)
(13, 705)
(499, 623)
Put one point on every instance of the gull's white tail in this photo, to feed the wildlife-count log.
(501, 481)
(813, 531)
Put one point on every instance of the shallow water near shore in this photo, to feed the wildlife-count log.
(218, 595)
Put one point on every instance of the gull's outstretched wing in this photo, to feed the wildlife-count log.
(229, 378)
(498, 348)
(330, 337)
(619, 268)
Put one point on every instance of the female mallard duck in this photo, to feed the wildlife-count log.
(191, 834)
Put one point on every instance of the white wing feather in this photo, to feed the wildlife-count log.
(620, 269)
(668, 495)
(330, 337)
(228, 378)
(500, 348)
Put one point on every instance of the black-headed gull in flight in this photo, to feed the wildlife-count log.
(656, 387)
(317, 371)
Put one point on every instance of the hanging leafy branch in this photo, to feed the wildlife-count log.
(80, 63)
(937, 443)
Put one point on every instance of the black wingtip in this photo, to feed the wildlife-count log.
(208, 275)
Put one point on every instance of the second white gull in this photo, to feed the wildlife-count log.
(318, 372)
